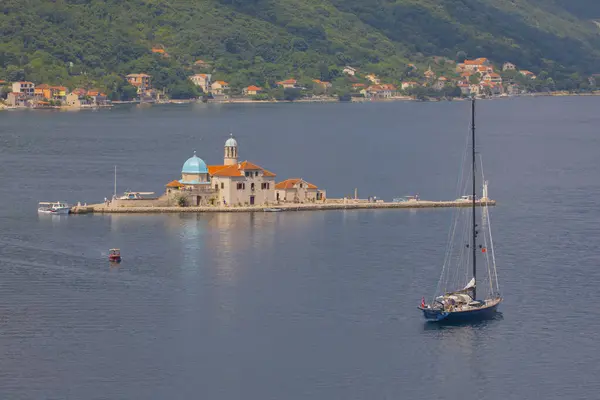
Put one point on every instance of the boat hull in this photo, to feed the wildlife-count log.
(60, 211)
(476, 314)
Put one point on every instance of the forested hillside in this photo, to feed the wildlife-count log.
(260, 41)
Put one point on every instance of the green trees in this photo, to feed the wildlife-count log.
(91, 43)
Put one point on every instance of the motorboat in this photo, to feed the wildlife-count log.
(135, 196)
(55, 207)
(114, 255)
(272, 210)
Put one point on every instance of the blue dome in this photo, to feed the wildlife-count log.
(194, 165)
(231, 142)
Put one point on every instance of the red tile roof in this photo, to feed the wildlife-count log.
(477, 61)
(236, 170)
(174, 184)
(253, 88)
(212, 169)
(288, 82)
(289, 184)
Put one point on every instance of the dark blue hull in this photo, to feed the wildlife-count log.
(476, 314)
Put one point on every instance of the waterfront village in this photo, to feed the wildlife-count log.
(476, 77)
(233, 183)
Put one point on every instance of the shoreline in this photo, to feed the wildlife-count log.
(103, 209)
(312, 101)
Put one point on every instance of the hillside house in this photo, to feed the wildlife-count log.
(465, 89)
(373, 79)
(203, 81)
(288, 84)
(527, 74)
(251, 90)
(358, 86)
(219, 87)
(321, 84)
(493, 77)
(140, 81)
(25, 87)
(160, 51)
(349, 71)
(97, 97)
(473, 65)
(201, 64)
(17, 99)
(507, 66)
(384, 91)
(429, 74)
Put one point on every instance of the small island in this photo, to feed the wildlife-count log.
(243, 186)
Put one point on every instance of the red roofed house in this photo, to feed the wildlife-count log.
(251, 90)
(203, 81)
(288, 84)
(381, 91)
(473, 65)
(493, 77)
(140, 81)
(160, 50)
(219, 87)
(528, 74)
(322, 84)
(298, 190)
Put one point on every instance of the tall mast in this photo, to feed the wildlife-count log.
(474, 244)
(115, 192)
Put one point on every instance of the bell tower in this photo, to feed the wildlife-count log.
(231, 151)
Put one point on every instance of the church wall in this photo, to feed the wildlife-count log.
(234, 196)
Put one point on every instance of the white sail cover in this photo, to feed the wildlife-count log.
(470, 285)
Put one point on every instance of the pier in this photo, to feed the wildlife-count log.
(328, 205)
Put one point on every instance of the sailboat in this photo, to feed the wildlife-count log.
(469, 241)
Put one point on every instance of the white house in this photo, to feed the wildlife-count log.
(219, 87)
(349, 70)
(203, 81)
(28, 88)
(508, 66)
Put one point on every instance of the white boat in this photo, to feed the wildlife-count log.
(135, 195)
(55, 207)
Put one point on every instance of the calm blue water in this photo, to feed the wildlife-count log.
(315, 305)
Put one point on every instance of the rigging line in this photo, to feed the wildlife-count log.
(460, 188)
(489, 225)
(484, 224)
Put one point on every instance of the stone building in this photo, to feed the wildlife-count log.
(298, 190)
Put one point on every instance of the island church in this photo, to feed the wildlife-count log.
(235, 183)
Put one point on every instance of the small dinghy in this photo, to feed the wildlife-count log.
(114, 255)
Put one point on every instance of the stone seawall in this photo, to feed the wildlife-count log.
(101, 208)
